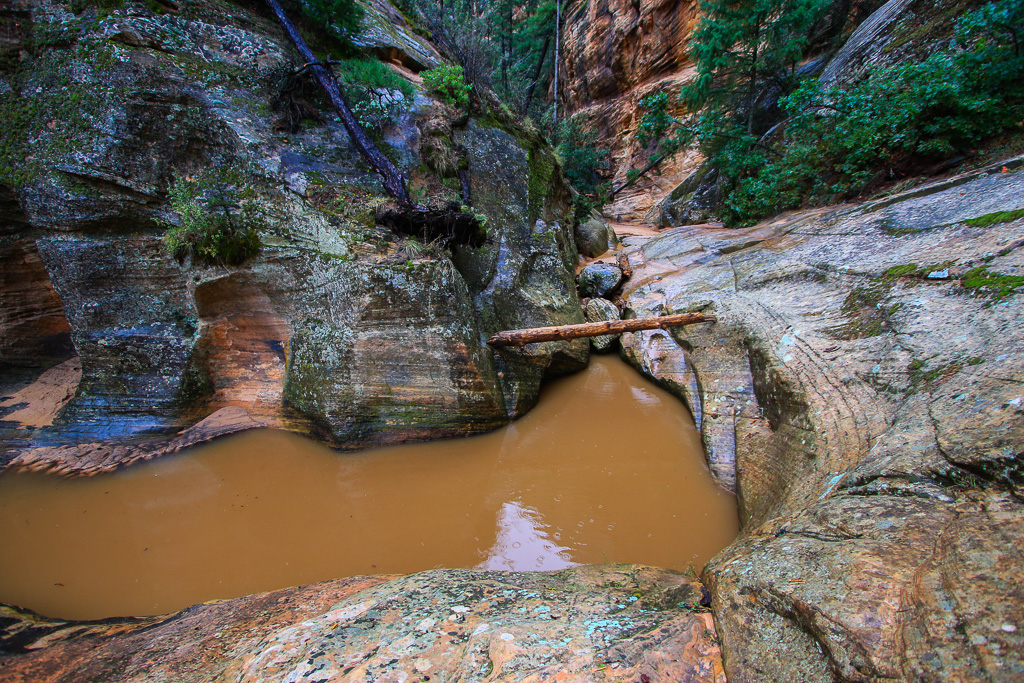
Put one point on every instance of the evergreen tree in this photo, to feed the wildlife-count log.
(746, 53)
(742, 47)
(502, 45)
(343, 16)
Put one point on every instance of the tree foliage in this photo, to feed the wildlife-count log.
(502, 45)
(743, 48)
(342, 16)
(840, 142)
(777, 141)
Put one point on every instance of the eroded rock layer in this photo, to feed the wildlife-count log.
(864, 379)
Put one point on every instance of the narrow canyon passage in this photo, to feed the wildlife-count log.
(607, 468)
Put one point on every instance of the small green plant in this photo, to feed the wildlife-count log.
(375, 93)
(995, 218)
(215, 225)
(449, 83)
(983, 282)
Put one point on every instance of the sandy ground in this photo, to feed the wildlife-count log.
(38, 403)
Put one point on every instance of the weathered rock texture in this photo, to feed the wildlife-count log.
(874, 417)
(599, 310)
(338, 328)
(614, 54)
(609, 622)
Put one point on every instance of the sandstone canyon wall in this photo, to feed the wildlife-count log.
(615, 53)
(111, 107)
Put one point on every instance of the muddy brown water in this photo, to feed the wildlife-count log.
(608, 467)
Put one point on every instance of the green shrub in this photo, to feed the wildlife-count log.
(838, 142)
(374, 92)
(581, 161)
(448, 83)
(215, 227)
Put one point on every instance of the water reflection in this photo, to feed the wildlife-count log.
(523, 542)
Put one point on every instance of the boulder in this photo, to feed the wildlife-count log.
(594, 237)
(334, 328)
(598, 279)
(598, 310)
(695, 200)
(610, 622)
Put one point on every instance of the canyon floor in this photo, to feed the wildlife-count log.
(862, 394)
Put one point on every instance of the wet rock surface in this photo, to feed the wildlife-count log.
(599, 310)
(598, 279)
(872, 417)
(607, 622)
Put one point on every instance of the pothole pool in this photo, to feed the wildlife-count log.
(608, 467)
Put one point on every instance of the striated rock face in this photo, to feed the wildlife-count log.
(612, 622)
(33, 330)
(864, 381)
(615, 53)
(338, 328)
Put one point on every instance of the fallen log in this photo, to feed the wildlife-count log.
(560, 332)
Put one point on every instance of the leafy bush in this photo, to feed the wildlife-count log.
(215, 226)
(838, 142)
(581, 160)
(374, 92)
(449, 83)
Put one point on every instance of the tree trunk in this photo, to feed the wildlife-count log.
(394, 182)
(542, 334)
(558, 21)
(753, 81)
(536, 73)
(640, 174)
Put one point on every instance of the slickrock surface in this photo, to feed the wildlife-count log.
(607, 622)
(868, 388)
